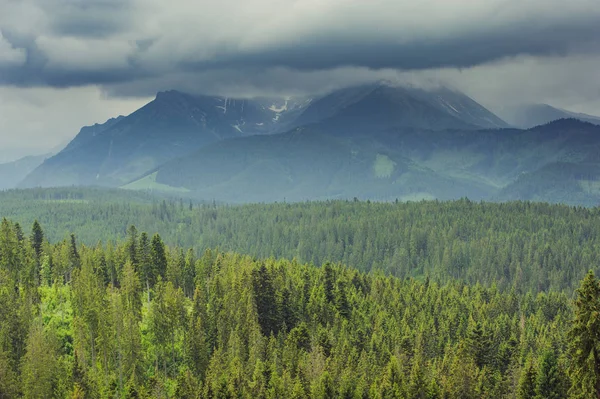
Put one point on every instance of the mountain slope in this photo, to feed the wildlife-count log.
(11, 173)
(311, 163)
(381, 106)
(307, 163)
(168, 127)
(528, 116)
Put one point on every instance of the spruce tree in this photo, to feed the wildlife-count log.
(527, 381)
(158, 258)
(37, 239)
(341, 299)
(132, 246)
(585, 340)
(328, 282)
(266, 303)
(550, 382)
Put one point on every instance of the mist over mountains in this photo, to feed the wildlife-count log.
(377, 141)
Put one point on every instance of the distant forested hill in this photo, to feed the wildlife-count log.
(517, 245)
(343, 161)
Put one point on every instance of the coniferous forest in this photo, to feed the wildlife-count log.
(138, 319)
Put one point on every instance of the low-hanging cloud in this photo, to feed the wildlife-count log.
(146, 43)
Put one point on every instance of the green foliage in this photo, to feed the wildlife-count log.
(585, 340)
(522, 246)
(236, 326)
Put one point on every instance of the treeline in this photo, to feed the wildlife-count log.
(518, 245)
(139, 319)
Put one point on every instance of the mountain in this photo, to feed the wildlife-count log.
(175, 124)
(12, 173)
(378, 142)
(382, 105)
(306, 163)
(404, 163)
(528, 116)
(170, 126)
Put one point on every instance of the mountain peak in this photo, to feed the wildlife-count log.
(387, 104)
(170, 95)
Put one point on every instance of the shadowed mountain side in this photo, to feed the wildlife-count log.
(307, 164)
(176, 124)
(172, 125)
(376, 107)
(310, 163)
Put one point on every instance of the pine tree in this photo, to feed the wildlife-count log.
(550, 382)
(527, 382)
(132, 246)
(131, 340)
(391, 384)
(328, 282)
(288, 312)
(266, 301)
(585, 340)
(38, 364)
(418, 385)
(37, 239)
(197, 351)
(188, 385)
(9, 381)
(158, 258)
(74, 258)
(324, 387)
(341, 299)
(479, 345)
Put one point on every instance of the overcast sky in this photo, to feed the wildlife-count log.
(69, 63)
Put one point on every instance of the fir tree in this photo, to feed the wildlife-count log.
(585, 340)
(37, 239)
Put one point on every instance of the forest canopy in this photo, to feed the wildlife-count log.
(138, 318)
(516, 245)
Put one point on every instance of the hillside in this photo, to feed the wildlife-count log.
(397, 163)
(307, 163)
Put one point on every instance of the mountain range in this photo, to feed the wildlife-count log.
(377, 141)
(531, 115)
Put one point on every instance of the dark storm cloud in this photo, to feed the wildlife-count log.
(454, 51)
(81, 42)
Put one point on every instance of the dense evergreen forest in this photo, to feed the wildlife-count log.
(140, 319)
(519, 245)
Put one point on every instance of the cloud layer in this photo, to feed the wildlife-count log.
(140, 43)
(68, 63)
